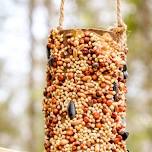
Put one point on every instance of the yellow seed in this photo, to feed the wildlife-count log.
(75, 53)
(86, 78)
(81, 95)
(64, 142)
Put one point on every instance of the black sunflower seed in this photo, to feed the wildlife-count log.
(115, 88)
(71, 110)
(49, 76)
(45, 92)
(48, 52)
(70, 51)
(124, 135)
(95, 65)
(125, 73)
(124, 68)
(51, 61)
(111, 141)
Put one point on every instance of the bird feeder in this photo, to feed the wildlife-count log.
(84, 99)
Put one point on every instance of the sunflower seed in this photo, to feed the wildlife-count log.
(71, 110)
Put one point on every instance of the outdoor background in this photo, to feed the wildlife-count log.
(24, 26)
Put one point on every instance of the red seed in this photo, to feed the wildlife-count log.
(59, 147)
(77, 143)
(85, 51)
(49, 83)
(54, 120)
(85, 109)
(120, 109)
(69, 132)
(109, 103)
(89, 62)
(114, 131)
(86, 119)
(98, 125)
(86, 39)
(96, 115)
(91, 70)
(114, 115)
(95, 77)
(74, 148)
(72, 139)
(67, 137)
(94, 100)
(118, 139)
(105, 111)
(55, 111)
(104, 100)
(53, 88)
(70, 75)
(61, 77)
(103, 85)
(87, 72)
(99, 93)
(100, 100)
(53, 100)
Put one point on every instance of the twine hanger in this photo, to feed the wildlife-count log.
(119, 21)
(119, 31)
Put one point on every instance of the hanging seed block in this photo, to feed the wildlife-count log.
(84, 98)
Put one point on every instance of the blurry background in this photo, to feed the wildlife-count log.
(24, 26)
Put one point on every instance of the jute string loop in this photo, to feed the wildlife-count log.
(61, 19)
(119, 31)
(118, 11)
(120, 22)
